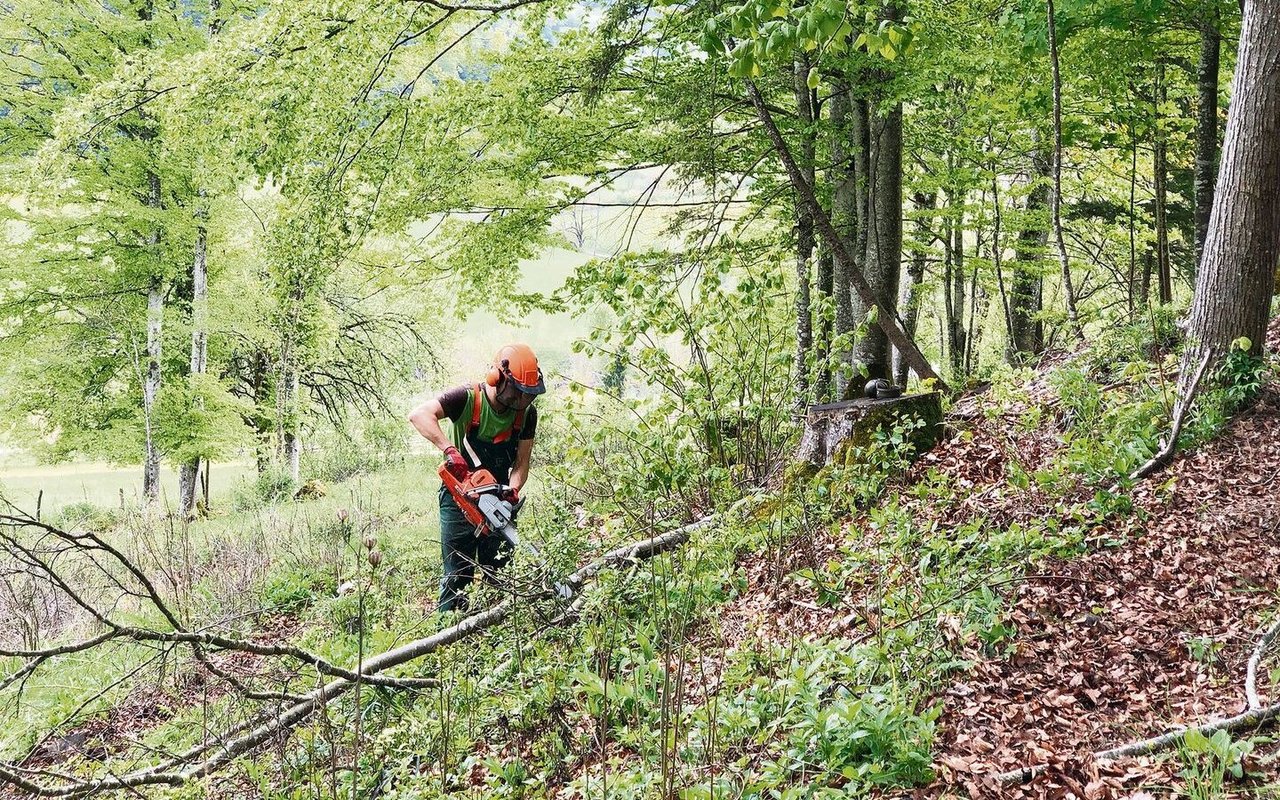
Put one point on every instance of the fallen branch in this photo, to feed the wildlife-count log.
(179, 770)
(1251, 676)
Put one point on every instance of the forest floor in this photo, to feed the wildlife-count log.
(1150, 629)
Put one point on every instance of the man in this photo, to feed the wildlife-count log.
(494, 424)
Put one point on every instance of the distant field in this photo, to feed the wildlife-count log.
(100, 484)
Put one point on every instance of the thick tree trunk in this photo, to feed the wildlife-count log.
(884, 236)
(804, 236)
(1160, 174)
(1237, 276)
(913, 289)
(188, 474)
(1206, 161)
(845, 218)
(1064, 263)
(1027, 291)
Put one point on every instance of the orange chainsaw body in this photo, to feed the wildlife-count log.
(465, 493)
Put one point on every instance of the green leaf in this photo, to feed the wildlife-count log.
(813, 79)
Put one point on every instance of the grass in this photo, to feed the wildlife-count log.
(99, 484)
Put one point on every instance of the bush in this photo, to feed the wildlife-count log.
(86, 515)
(292, 590)
(267, 489)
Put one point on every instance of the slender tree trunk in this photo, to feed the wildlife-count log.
(997, 251)
(1027, 292)
(1206, 159)
(1237, 276)
(845, 218)
(822, 388)
(1068, 287)
(188, 474)
(864, 181)
(1160, 172)
(804, 236)
(1133, 221)
(290, 443)
(156, 291)
(913, 289)
(955, 310)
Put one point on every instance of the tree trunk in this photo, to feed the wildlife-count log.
(954, 283)
(845, 216)
(913, 290)
(822, 388)
(151, 381)
(884, 236)
(1027, 291)
(188, 475)
(804, 236)
(1206, 159)
(1237, 276)
(1068, 287)
(290, 444)
(1160, 173)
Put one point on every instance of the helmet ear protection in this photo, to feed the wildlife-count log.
(495, 372)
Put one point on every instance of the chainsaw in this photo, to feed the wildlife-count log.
(480, 497)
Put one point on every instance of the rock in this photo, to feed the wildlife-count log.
(840, 432)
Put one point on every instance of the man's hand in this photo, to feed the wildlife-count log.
(511, 495)
(455, 463)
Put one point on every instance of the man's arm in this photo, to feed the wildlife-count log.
(426, 419)
(520, 471)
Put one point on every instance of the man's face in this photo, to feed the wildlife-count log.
(510, 395)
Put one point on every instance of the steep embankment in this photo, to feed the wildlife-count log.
(1146, 625)
(1128, 642)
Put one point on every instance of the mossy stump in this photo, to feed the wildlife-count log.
(838, 432)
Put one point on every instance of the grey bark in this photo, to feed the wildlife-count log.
(913, 288)
(804, 234)
(953, 281)
(884, 235)
(845, 215)
(1206, 158)
(1237, 276)
(1026, 292)
(151, 381)
(189, 473)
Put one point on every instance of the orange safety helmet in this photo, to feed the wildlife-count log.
(518, 363)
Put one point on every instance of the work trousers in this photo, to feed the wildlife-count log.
(461, 551)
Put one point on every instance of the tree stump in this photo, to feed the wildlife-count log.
(838, 432)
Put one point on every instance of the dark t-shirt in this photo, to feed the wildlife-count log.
(454, 402)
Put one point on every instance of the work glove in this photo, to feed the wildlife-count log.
(455, 463)
(511, 495)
